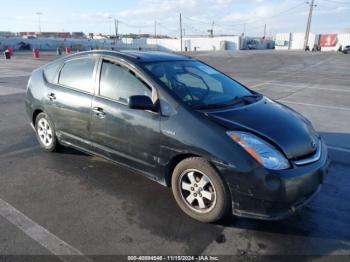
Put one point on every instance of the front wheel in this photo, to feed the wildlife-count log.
(200, 191)
(45, 133)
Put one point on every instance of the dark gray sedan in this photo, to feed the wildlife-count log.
(222, 147)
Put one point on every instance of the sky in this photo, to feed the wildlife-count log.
(140, 16)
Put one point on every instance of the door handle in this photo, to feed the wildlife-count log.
(51, 96)
(99, 112)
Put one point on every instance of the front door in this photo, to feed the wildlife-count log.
(127, 136)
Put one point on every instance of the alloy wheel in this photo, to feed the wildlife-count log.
(197, 191)
(45, 132)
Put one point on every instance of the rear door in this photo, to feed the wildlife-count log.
(69, 101)
(128, 136)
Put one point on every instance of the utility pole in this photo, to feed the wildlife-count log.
(307, 33)
(264, 31)
(181, 31)
(110, 26)
(212, 30)
(155, 29)
(116, 23)
(39, 20)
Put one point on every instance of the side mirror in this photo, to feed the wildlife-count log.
(142, 103)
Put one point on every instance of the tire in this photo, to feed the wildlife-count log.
(45, 133)
(203, 188)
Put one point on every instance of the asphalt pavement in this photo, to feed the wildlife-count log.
(69, 203)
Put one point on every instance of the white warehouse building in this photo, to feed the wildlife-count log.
(295, 41)
(162, 44)
(197, 43)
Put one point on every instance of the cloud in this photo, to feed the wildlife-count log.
(259, 12)
(228, 15)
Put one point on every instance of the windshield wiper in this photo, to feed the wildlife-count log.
(236, 100)
(209, 106)
(252, 96)
(247, 99)
(219, 105)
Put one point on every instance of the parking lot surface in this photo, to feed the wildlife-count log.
(69, 203)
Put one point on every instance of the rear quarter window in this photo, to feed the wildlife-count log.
(51, 72)
(78, 74)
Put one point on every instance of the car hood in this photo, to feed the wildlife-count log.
(279, 124)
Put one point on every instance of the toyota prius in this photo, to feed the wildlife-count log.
(221, 147)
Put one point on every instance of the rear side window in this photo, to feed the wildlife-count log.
(51, 72)
(119, 83)
(78, 74)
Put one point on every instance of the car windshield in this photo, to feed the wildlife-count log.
(198, 84)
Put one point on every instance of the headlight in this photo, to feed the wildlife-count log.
(263, 152)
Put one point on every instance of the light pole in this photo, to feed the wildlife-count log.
(116, 25)
(110, 25)
(181, 32)
(39, 20)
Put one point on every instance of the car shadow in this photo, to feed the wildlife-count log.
(71, 151)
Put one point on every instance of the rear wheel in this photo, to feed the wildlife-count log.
(200, 191)
(45, 133)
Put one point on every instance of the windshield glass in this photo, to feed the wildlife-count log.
(196, 83)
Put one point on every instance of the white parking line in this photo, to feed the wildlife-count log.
(48, 240)
(329, 89)
(288, 85)
(310, 87)
(321, 106)
(13, 76)
(10, 90)
(20, 151)
(261, 84)
(337, 148)
(319, 63)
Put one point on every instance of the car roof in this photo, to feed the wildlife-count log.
(139, 56)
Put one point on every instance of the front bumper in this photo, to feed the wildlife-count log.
(272, 210)
(274, 195)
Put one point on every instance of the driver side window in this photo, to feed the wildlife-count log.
(119, 83)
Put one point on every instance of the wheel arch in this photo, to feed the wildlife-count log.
(36, 112)
(173, 163)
